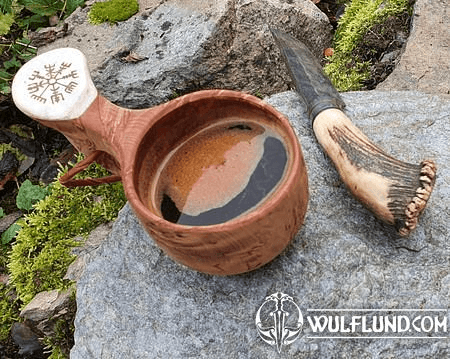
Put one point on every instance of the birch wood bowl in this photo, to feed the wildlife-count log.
(216, 177)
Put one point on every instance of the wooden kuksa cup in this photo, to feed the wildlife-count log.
(56, 90)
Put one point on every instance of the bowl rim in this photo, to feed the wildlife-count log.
(295, 164)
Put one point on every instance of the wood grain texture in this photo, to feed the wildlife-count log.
(133, 144)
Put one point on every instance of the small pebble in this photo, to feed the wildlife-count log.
(328, 52)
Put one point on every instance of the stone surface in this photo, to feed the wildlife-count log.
(44, 305)
(135, 302)
(27, 340)
(45, 308)
(425, 65)
(8, 220)
(189, 45)
(48, 35)
(95, 238)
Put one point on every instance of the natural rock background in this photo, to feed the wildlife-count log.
(135, 302)
(424, 64)
(188, 45)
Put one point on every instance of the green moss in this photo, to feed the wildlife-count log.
(345, 73)
(19, 131)
(174, 95)
(6, 147)
(6, 20)
(112, 11)
(57, 353)
(8, 309)
(41, 253)
(258, 94)
(359, 16)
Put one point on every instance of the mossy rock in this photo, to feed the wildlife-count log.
(112, 11)
(41, 253)
(39, 257)
(346, 72)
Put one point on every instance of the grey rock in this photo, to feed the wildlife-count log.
(94, 239)
(45, 304)
(26, 339)
(424, 64)
(8, 220)
(189, 45)
(45, 308)
(135, 302)
(88, 249)
(76, 269)
(390, 56)
(80, 34)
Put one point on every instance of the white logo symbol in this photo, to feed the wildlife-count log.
(286, 323)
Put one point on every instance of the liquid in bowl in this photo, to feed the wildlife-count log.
(220, 173)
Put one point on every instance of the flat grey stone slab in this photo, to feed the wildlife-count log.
(424, 64)
(135, 302)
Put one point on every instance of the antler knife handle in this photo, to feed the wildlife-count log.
(395, 191)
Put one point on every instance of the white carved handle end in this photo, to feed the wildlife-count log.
(54, 86)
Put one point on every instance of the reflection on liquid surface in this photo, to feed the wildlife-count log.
(220, 173)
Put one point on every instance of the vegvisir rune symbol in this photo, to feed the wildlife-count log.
(281, 332)
(54, 84)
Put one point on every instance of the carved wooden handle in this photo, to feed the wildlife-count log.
(56, 89)
(395, 191)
